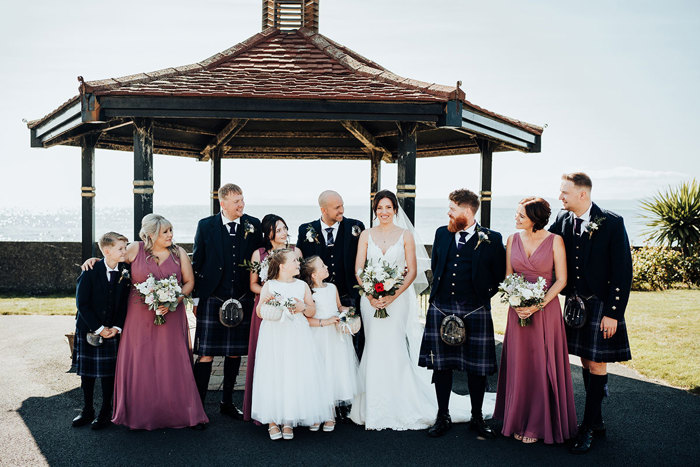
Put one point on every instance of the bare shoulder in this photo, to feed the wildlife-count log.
(558, 241)
(408, 237)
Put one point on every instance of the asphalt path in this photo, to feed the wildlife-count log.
(648, 424)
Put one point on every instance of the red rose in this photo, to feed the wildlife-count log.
(379, 287)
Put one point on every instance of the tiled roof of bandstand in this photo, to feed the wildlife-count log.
(283, 65)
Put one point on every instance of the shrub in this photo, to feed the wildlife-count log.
(655, 268)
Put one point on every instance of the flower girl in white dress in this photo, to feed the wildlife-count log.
(289, 387)
(338, 358)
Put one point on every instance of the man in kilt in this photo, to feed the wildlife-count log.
(468, 263)
(600, 272)
(101, 299)
(221, 244)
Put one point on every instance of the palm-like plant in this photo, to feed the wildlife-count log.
(674, 217)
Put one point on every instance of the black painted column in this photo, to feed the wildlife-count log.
(143, 171)
(486, 149)
(87, 193)
(216, 156)
(406, 178)
(375, 181)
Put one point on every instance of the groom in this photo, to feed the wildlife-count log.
(600, 272)
(468, 263)
(221, 244)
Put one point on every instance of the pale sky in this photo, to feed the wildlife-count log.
(616, 83)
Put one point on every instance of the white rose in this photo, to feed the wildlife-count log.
(148, 300)
(368, 287)
(389, 284)
(309, 236)
(527, 294)
(163, 296)
(513, 300)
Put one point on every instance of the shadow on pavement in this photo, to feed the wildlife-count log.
(648, 424)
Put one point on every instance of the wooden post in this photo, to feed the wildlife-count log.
(375, 181)
(406, 178)
(486, 149)
(87, 193)
(143, 171)
(216, 156)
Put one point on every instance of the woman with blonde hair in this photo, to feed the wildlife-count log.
(154, 384)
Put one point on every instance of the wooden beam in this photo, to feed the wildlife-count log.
(223, 137)
(87, 194)
(143, 171)
(183, 128)
(297, 150)
(88, 130)
(406, 174)
(486, 148)
(295, 134)
(367, 139)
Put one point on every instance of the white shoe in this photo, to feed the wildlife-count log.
(328, 428)
(274, 436)
(315, 427)
(287, 434)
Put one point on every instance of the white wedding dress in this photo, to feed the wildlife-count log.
(396, 393)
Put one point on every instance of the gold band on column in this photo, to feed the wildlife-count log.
(87, 191)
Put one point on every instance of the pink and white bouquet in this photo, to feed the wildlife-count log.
(519, 292)
(379, 280)
(162, 292)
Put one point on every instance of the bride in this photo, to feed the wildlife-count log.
(395, 392)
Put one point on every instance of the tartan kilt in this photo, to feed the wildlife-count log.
(95, 362)
(213, 338)
(587, 342)
(478, 353)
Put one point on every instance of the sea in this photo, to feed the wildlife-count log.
(63, 225)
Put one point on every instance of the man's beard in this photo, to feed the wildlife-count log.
(457, 223)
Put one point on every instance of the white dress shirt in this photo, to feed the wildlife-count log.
(586, 217)
(224, 220)
(470, 231)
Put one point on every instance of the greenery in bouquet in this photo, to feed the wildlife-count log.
(160, 292)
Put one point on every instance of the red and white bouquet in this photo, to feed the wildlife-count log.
(379, 279)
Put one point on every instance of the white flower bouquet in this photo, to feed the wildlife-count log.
(163, 292)
(349, 322)
(379, 280)
(518, 292)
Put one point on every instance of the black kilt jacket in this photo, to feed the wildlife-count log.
(489, 263)
(208, 254)
(92, 298)
(311, 241)
(607, 259)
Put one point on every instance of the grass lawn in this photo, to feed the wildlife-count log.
(663, 332)
(37, 305)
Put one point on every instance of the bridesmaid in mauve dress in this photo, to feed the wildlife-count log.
(154, 385)
(275, 237)
(535, 396)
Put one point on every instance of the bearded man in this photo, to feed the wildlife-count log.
(468, 263)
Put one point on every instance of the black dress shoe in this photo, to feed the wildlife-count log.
(482, 429)
(442, 424)
(584, 441)
(231, 410)
(100, 423)
(599, 430)
(85, 418)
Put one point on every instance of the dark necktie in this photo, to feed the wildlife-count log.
(329, 236)
(577, 225)
(462, 240)
(113, 276)
(232, 229)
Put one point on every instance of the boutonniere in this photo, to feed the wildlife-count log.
(311, 235)
(248, 228)
(124, 275)
(593, 225)
(482, 237)
(356, 231)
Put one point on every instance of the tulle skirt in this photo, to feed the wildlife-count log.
(289, 386)
(339, 363)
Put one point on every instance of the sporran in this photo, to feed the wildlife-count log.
(575, 312)
(452, 328)
(94, 340)
(231, 313)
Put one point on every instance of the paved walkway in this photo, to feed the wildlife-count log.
(648, 424)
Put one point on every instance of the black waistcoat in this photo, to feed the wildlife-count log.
(333, 257)
(576, 265)
(456, 284)
(111, 302)
(227, 287)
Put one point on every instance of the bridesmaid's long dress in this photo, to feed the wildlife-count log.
(535, 392)
(252, 347)
(154, 386)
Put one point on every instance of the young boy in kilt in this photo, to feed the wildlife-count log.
(599, 265)
(101, 298)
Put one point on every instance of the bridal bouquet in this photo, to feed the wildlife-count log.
(163, 292)
(518, 292)
(379, 280)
